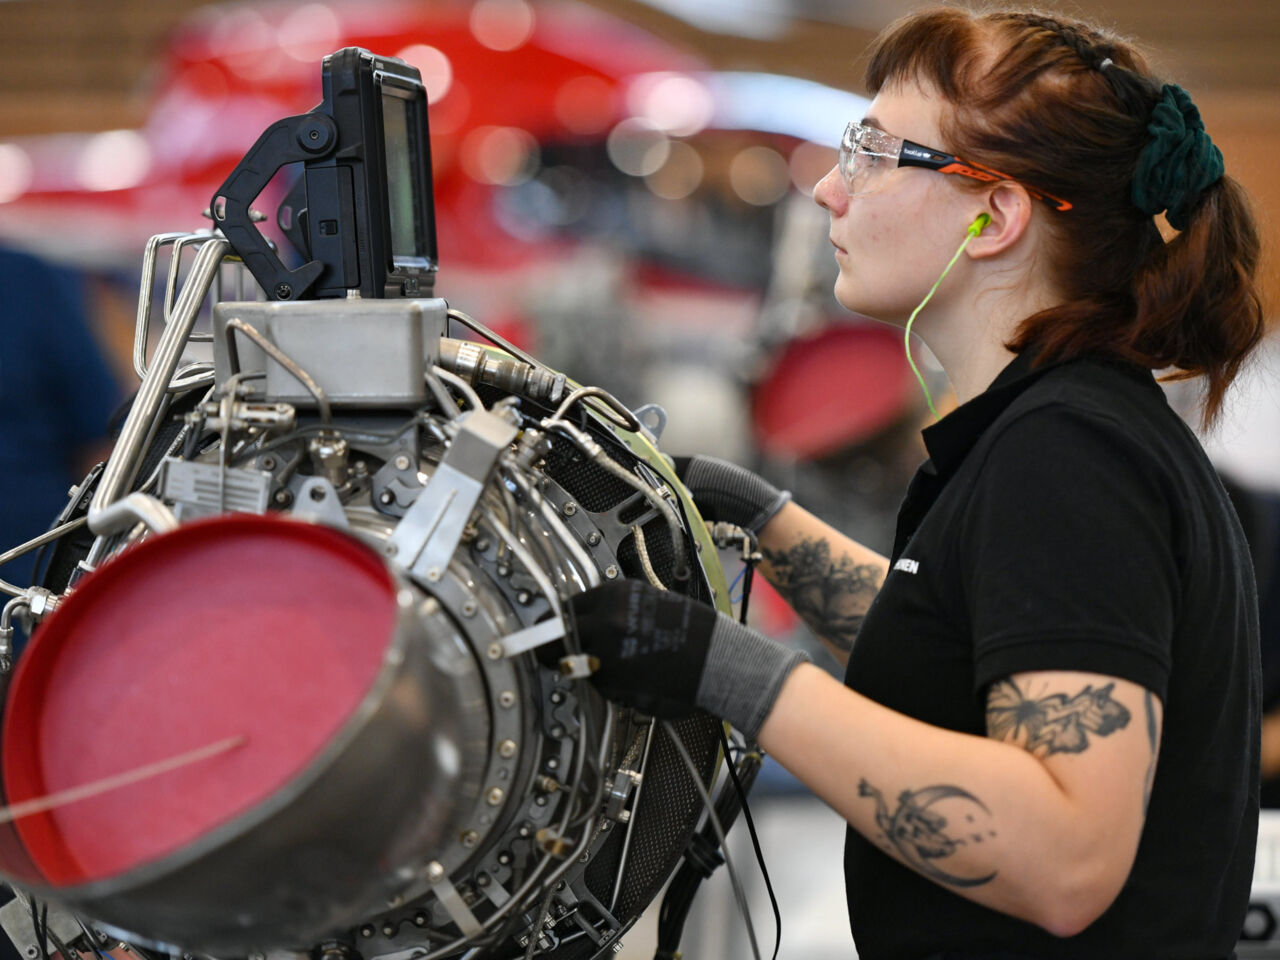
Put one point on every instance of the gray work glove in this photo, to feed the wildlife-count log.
(725, 491)
(666, 654)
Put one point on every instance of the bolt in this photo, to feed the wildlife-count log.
(482, 545)
(557, 731)
(402, 462)
(540, 800)
(386, 498)
(525, 830)
(523, 598)
(504, 570)
(318, 493)
(420, 919)
(433, 574)
(506, 699)
(469, 608)
(611, 572)
(470, 838)
(494, 796)
(32, 951)
(482, 880)
(504, 858)
(507, 749)
(495, 651)
(547, 784)
(283, 498)
(388, 930)
(569, 509)
(617, 947)
(435, 872)
(283, 291)
(594, 538)
(268, 463)
(557, 697)
(553, 763)
(390, 549)
(367, 930)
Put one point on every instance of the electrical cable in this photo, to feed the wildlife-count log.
(714, 821)
(974, 229)
(755, 843)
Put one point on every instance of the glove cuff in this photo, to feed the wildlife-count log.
(726, 491)
(743, 675)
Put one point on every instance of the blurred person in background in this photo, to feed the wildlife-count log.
(1047, 740)
(57, 394)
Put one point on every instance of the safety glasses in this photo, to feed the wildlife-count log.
(867, 154)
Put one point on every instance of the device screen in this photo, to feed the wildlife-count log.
(401, 199)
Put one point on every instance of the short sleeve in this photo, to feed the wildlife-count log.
(1068, 553)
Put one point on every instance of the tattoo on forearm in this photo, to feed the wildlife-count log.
(1055, 723)
(917, 829)
(831, 597)
(1153, 737)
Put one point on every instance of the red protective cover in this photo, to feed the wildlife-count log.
(250, 626)
(831, 390)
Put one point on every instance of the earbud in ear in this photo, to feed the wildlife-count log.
(979, 224)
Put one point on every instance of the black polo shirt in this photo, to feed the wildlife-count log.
(1068, 520)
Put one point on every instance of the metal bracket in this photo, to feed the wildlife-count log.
(430, 530)
(452, 901)
(522, 641)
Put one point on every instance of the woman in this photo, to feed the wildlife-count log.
(1046, 744)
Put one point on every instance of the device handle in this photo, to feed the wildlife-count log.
(309, 136)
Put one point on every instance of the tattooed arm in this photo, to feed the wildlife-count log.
(829, 579)
(1039, 820)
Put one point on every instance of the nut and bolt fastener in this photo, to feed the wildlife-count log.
(433, 574)
(523, 598)
(283, 498)
(470, 838)
(283, 291)
(367, 930)
(420, 919)
(482, 880)
(611, 572)
(386, 498)
(553, 763)
(402, 462)
(268, 463)
(569, 509)
(506, 699)
(388, 930)
(469, 608)
(507, 749)
(495, 651)
(504, 858)
(593, 538)
(435, 872)
(494, 796)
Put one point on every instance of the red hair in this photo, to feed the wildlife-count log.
(1030, 95)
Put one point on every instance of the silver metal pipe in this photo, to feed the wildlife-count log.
(586, 567)
(135, 508)
(122, 467)
(464, 388)
(635, 809)
(146, 293)
(47, 537)
(282, 358)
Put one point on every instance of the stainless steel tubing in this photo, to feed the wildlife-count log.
(122, 468)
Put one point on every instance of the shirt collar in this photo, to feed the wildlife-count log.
(951, 438)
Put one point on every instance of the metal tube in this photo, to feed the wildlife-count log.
(282, 358)
(47, 537)
(136, 507)
(122, 467)
(635, 809)
(146, 293)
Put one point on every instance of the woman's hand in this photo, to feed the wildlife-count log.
(724, 491)
(668, 655)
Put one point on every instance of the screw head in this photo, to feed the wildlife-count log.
(283, 498)
(506, 699)
(523, 597)
(367, 930)
(435, 872)
(470, 838)
(386, 498)
(569, 509)
(469, 608)
(433, 574)
(283, 291)
(594, 538)
(507, 749)
(611, 572)
(494, 796)
(402, 462)
(495, 651)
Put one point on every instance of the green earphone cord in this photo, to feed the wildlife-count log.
(975, 228)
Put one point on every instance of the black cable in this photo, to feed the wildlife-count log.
(755, 843)
(35, 926)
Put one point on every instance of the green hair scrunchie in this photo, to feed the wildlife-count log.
(1178, 163)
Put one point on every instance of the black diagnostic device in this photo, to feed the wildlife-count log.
(362, 214)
